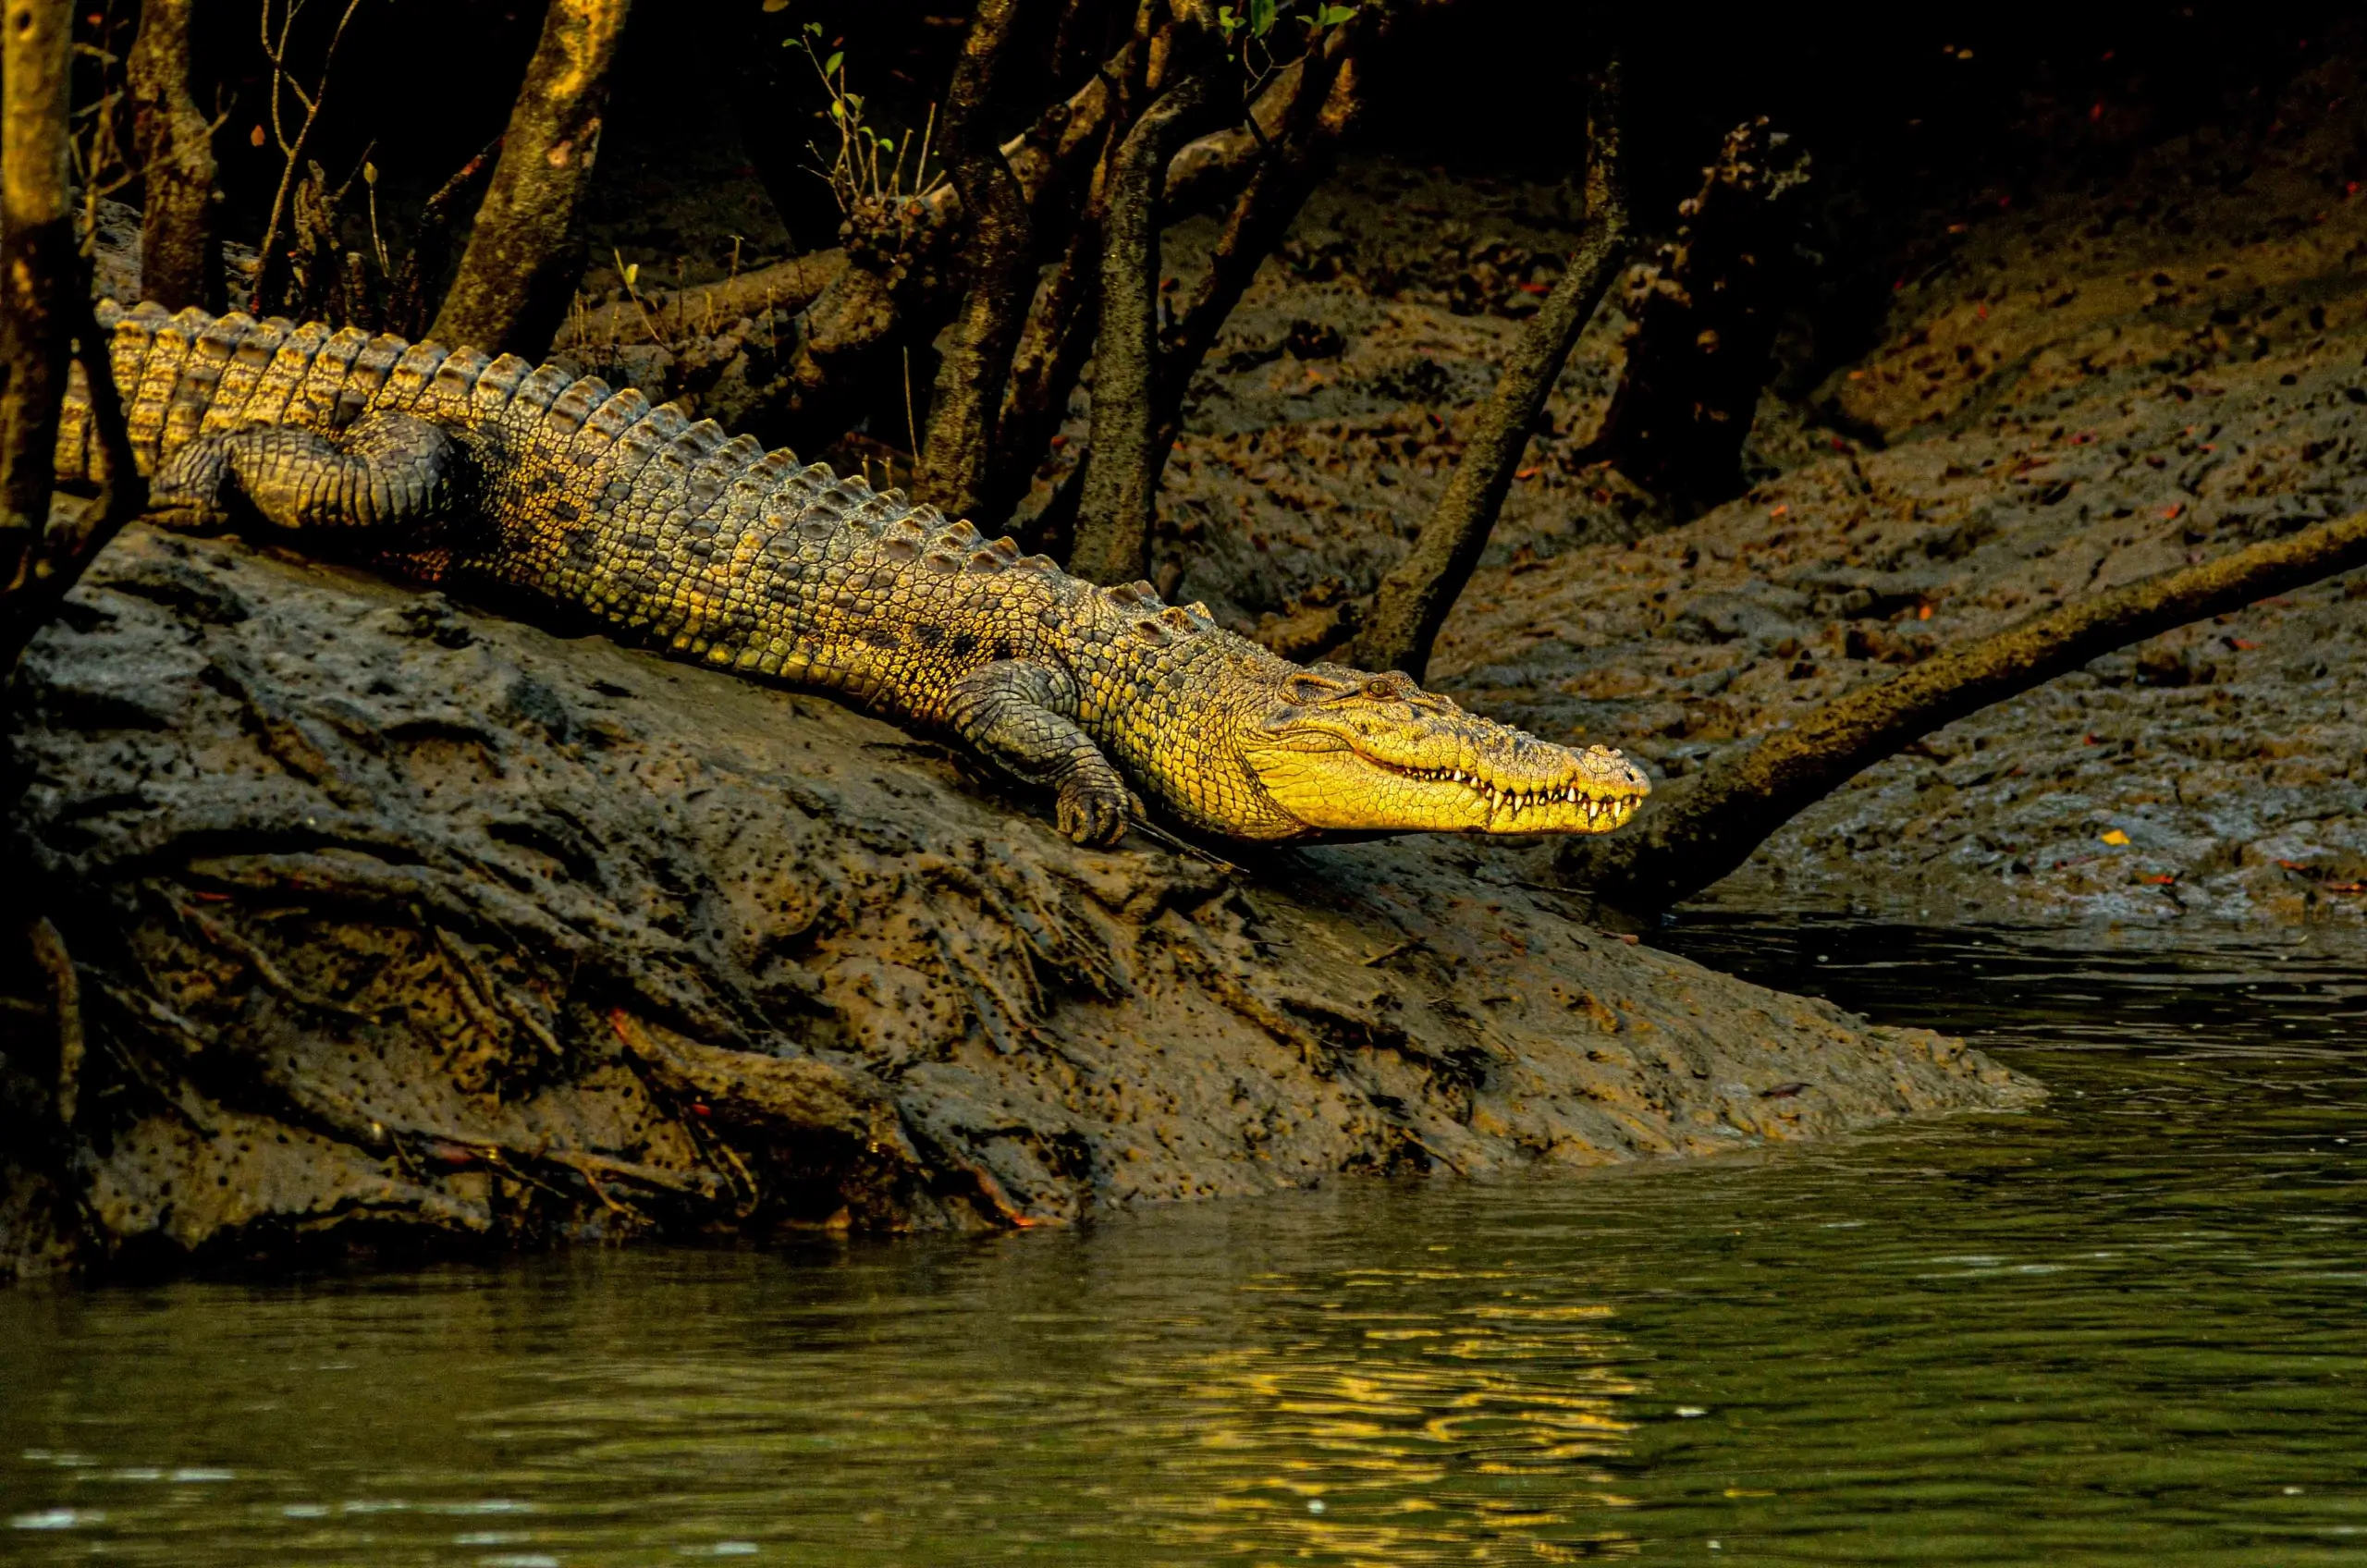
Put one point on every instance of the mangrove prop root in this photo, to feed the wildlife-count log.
(1415, 597)
(1693, 832)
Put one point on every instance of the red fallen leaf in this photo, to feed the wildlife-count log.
(2095, 112)
(2093, 741)
(1537, 289)
(1528, 473)
(2164, 881)
(2292, 865)
(1839, 444)
(213, 898)
(2171, 513)
(2346, 887)
(2242, 644)
(1057, 442)
(1781, 508)
(698, 1108)
(1629, 938)
(1922, 612)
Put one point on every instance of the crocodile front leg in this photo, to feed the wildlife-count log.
(1019, 714)
(384, 471)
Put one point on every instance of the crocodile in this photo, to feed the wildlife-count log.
(510, 481)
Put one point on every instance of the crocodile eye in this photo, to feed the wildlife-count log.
(1386, 687)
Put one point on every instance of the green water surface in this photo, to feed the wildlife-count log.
(2129, 1326)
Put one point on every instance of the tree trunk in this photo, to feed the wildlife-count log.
(959, 453)
(1691, 834)
(36, 270)
(1300, 148)
(1116, 504)
(1703, 318)
(180, 257)
(1418, 591)
(519, 273)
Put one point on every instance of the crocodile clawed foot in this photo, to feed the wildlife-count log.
(190, 491)
(1096, 805)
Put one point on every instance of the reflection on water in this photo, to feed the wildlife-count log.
(2125, 1328)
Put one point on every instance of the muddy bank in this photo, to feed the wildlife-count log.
(2078, 383)
(398, 923)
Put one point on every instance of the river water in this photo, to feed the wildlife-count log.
(2129, 1326)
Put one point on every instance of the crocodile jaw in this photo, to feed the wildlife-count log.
(1346, 752)
(1345, 790)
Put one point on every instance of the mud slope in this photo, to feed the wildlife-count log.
(402, 923)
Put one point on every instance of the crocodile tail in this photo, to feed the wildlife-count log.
(149, 354)
(186, 375)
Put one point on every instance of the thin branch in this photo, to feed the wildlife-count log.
(1691, 834)
(292, 151)
(1418, 591)
(431, 247)
(57, 966)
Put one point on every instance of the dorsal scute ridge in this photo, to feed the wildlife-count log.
(1133, 595)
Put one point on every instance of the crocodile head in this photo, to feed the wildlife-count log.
(1337, 750)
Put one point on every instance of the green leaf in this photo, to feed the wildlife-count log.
(631, 272)
(1261, 16)
(830, 65)
(814, 28)
(1333, 16)
(772, 6)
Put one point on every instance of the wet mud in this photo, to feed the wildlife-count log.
(401, 924)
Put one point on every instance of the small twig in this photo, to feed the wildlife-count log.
(66, 1008)
(912, 428)
(626, 275)
(1150, 829)
(292, 151)
(270, 974)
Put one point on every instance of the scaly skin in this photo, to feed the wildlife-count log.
(493, 475)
